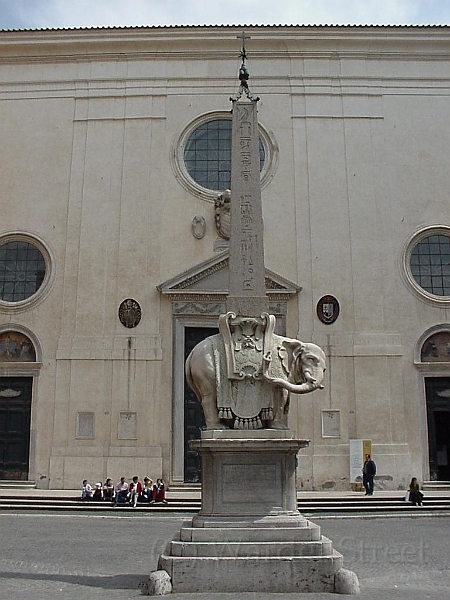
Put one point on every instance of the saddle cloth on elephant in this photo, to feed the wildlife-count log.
(249, 400)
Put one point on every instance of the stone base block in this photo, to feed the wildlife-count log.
(245, 574)
(159, 584)
(263, 549)
(277, 519)
(346, 582)
(244, 473)
(311, 533)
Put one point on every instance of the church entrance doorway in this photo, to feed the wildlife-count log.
(437, 391)
(194, 420)
(15, 419)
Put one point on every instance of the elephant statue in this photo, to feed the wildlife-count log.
(258, 396)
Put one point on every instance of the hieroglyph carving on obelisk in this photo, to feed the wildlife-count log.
(244, 375)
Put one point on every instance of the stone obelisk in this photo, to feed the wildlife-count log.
(246, 290)
(249, 534)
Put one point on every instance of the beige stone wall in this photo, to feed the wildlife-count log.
(89, 124)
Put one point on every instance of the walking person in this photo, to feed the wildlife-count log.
(369, 472)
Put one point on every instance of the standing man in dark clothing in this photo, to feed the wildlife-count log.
(369, 471)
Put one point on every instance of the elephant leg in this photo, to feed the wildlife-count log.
(281, 409)
(209, 404)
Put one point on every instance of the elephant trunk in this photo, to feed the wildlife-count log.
(297, 388)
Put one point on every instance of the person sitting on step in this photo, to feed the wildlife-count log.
(86, 490)
(147, 490)
(135, 490)
(121, 491)
(159, 492)
(98, 492)
(415, 495)
(108, 490)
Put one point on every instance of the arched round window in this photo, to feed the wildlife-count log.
(427, 263)
(207, 154)
(202, 155)
(24, 269)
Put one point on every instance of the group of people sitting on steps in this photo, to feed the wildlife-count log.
(126, 492)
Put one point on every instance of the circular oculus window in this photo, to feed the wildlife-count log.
(427, 263)
(203, 155)
(24, 270)
(207, 154)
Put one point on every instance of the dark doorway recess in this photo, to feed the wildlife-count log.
(194, 419)
(15, 418)
(437, 391)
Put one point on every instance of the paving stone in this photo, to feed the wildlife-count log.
(49, 555)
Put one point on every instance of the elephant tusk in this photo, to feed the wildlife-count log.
(309, 378)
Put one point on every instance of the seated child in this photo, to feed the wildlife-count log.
(159, 492)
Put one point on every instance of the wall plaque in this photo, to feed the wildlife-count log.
(331, 423)
(85, 425)
(130, 313)
(127, 426)
(328, 309)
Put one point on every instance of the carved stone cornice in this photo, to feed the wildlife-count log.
(198, 307)
(208, 282)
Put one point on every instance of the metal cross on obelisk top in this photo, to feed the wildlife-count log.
(247, 290)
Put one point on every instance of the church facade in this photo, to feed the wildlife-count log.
(114, 242)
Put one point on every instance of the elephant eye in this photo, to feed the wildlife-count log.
(313, 359)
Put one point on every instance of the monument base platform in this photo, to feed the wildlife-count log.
(249, 535)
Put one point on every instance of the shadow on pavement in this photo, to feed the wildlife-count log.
(107, 582)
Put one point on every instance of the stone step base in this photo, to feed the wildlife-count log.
(281, 574)
(273, 549)
(341, 508)
(12, 484)
(272, 553)
(240, 534)
(443, 486)
(18, 499)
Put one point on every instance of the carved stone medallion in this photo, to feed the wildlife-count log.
(222, 214)
(198, 227)
(328, 309)
(130, 313)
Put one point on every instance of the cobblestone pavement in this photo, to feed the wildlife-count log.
(52, 555)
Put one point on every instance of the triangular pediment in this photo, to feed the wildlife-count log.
(210, 278)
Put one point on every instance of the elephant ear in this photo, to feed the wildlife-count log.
(288, 352)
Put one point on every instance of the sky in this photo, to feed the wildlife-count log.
(41, 14)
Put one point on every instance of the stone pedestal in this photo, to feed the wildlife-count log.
(249, 535)
(248, 473)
